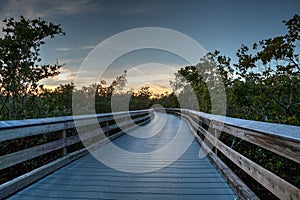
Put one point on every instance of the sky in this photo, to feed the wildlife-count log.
(214, 24)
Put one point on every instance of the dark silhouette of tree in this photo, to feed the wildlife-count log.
(263, 85)
(20, 68)
(272, 73)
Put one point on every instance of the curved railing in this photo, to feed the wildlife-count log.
(18, 129)
(283, 140)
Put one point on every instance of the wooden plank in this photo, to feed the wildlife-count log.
(33, 152)
(14, 133)
(30, 153)
(54, 120)
(63, 135)
(21, 182)
(286, 148)
(272, 182)
(239, 187)
(14, 129)
(186, 178)
(286, 132)
(72, 140)
(11, 159)
(286, 144)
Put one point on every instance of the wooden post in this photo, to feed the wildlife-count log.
(63, 135)
(127, 119)
(107, 133)
(217, 135)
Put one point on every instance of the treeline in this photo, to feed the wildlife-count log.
(21, 95)
(99, 97)
(262, 85)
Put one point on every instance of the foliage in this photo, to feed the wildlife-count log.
(274, 73)
(20, 69)
(57, 102)
(263, 85)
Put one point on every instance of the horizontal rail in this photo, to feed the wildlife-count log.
(16, 129)
(279, 138)
(285, 143)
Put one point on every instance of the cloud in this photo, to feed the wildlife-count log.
(82, 48)
(87, 47)
(63, 49)
(65, 75)
(40, 8)
(71, 60)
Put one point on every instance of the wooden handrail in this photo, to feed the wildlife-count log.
(15, 129)
(281, 139)
(278, 138)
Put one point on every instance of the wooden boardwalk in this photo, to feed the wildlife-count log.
(189, 177)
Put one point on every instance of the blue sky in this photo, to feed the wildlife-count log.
(215, 24)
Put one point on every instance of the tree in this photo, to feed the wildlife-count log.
(57, 102)
(273, 69)
(166, 100)
(20, 68)
(206, 82)
(263, 85)
(97, 97)
(141, 99)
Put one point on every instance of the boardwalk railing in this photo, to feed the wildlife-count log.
(283, 140)
(17, 129)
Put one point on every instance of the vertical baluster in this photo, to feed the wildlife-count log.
(63, 135)
(107, 130)
(217, 135)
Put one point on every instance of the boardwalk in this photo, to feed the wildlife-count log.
(189, 177)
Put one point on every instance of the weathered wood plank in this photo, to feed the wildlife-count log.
(14, 133)
(272, 182)
(239, 187)
(30, 153)
(286, 148)
(286, 132)
(23, 181)
(24, 128)
(266, 135)
(187, 178)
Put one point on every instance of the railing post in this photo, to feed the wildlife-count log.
(63, 135)
(107, 134)
(217, 135)
(128, 118)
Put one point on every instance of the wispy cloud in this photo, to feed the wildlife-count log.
(65, 75)
(63, 49)
(87, 47)
(40, 8)
(71, 61)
